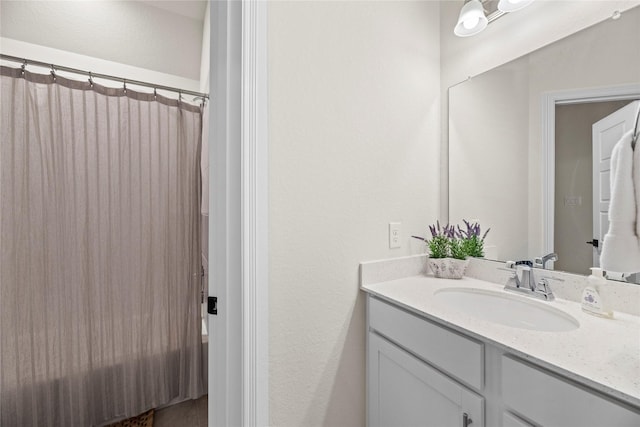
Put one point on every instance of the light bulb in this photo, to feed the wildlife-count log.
(472, 19)
(513, 5)
(471, 22)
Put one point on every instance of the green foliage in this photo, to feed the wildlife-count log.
(438, 247)
(453, 241)
(473, 246)
(457, 248)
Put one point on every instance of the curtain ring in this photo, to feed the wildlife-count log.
(90, 79)
(124, 81)
(53, 72)
(179, 98)
(24, 65)
(155, 94)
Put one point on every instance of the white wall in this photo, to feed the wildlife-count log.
(489, 178)
(127, 39)
(206, 52)
(510, 37)
(354, 135)
(127, 32)
(82, 62)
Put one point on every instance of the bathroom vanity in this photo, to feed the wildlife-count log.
(431, 363)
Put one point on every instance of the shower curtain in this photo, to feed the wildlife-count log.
(99, 251)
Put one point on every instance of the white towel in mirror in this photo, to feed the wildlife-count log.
(621, 245)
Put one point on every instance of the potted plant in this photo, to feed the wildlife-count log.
(447, 258)
(450, 246)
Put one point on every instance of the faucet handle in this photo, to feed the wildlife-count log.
(513, 282)
(543, 288)
(509, 266)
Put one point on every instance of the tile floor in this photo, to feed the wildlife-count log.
(192, 413)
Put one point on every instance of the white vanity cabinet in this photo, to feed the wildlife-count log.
(548, 400)
(404, 390)
(421, 373)
(409, 392)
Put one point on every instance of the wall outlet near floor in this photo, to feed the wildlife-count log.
(394, 235)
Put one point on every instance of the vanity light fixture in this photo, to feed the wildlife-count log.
(472, 19)
(477, 14)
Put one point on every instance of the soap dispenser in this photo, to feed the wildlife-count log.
(593, 300)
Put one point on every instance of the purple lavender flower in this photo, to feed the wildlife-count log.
(473, 230)
(472, 242)
(438, 244)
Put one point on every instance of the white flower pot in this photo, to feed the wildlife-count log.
(448, 268)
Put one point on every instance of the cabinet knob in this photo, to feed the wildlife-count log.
(466, 421)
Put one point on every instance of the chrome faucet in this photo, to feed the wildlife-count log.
(541, 262)
(523, 282)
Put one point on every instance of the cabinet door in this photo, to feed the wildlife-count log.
(403, 391)
(552, 401)
(510, 420)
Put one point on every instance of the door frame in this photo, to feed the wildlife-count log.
(549, 102)
(238, 206)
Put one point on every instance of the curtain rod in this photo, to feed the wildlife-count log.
(54, 67)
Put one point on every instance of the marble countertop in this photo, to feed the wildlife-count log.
(603, 354)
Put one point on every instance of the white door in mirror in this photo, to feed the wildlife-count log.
(606, 133)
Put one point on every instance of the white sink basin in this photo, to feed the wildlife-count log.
(506, 309)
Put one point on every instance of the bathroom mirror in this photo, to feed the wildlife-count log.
(521, 143)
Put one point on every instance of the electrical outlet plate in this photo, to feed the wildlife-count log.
(394, 235)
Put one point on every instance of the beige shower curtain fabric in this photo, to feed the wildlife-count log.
(99, 251)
